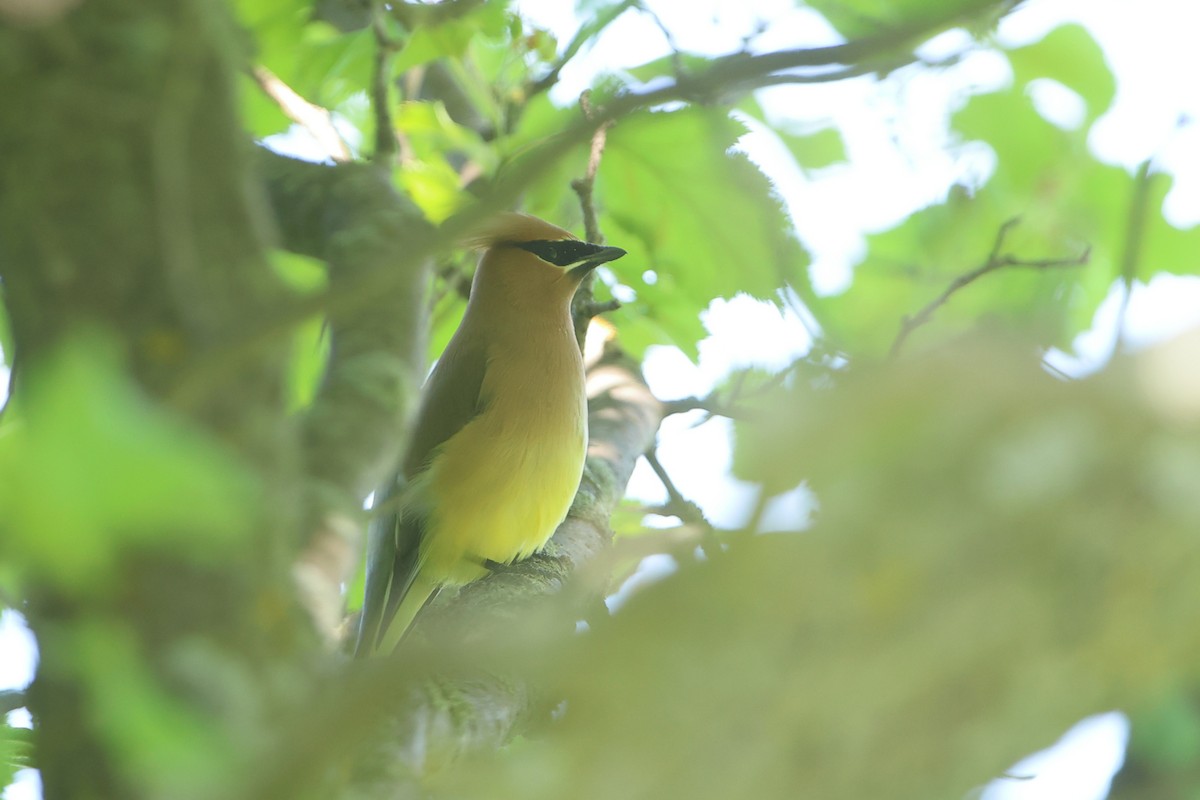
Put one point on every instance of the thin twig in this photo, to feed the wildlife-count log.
(995, 261)
(12, 699)
(585, 186)
(381, 90)
(585, 33)
(584, 306)
(710, 404)
(677, 505)
(313, 118)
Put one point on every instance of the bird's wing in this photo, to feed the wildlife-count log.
(452, 398)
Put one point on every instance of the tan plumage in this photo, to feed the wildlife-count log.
(498, 447)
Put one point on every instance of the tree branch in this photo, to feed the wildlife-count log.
(995, 261)
(583, 305)
(381, 90)
(677, 505)
(313, 118)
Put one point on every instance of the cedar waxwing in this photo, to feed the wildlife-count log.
(499, 442)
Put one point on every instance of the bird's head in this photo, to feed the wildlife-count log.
(525, 248)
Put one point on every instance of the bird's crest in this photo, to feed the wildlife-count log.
(511, 227)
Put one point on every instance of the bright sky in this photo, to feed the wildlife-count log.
(894, 169)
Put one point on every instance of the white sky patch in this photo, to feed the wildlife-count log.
(1080, 766)
(788, 512)
(26, 786)
(1159, 310)
(651, 569)
(17, 651)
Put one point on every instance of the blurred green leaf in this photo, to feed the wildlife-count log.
(860, 18)
(972, 543)
(821, 148)
(7, 348)
(703, 218)
(160, 743)
(91, 465)
(1066, 202)
(1069, 55)
(1167, 733)
(16, 750)
(310, 356)
(1166, 248)
(301, 273)
(451, 38)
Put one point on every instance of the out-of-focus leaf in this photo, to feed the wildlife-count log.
(704, 219)
(157, 741)
(434, 187)
(859, 18)
(968, 592)
(432, 134)
(7, 348)
(1069, 55)
(1166, 248)
(1167, 733)
(301, 273)
(450, 39)
(1066, 202)
(815, 150)
(310, 356)
(91, 465)
(16, 751)
(669, 66)
(261, 115)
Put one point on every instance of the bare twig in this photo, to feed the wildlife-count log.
(584, 306)
(677, 505)
(585, 33)
(313, 118)
(584, 186)
(995, 261)
(381, 90)
(11, 700)
(710, 404)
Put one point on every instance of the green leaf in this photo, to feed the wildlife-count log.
(705, 219)
(301, 273)
(860, 18)
(7, 347)
(1071, 56)
(159, 743)
(1047, 178)
(90, 465)
(822, 148)
(1166, 248)
(310, 356)
(669, 66)
(1167, 733)
(16, 750)
(451, 38)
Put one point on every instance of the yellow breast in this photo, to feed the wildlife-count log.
(498, 488)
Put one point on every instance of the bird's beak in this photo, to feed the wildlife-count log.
(601, 256)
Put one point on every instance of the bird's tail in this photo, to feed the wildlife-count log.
(396, 589)
(420, 591)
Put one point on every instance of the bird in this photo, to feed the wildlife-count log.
(500, 435)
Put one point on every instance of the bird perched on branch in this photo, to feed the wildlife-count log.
(498, 447)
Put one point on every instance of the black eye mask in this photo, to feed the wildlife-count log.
(569, 252)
